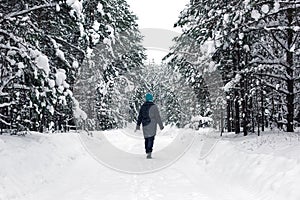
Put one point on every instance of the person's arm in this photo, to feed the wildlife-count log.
(139, 120)
(158, 118)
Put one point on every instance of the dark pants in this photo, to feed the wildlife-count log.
(149, 144)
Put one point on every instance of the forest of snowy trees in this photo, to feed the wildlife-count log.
(254, 46)
(67, 63)
(57, 55)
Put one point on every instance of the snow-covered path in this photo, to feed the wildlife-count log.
(181, 179)
(76, 171)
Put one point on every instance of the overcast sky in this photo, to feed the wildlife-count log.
(157, 14)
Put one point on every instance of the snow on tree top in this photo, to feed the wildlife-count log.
(51, 83)
(100, 8)
(255, 15)
(75, 64)
(42, 62)
(78, 112)
(276, 6)
(59, 53)
(76, 6)
(60, 77)
(232, 83)
(96, 25)
(265, 9)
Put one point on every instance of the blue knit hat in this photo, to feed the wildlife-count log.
(149, 97)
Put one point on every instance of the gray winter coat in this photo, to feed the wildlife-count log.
(149, 117)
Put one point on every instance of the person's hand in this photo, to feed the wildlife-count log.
(137, 128)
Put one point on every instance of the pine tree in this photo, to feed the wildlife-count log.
(36, 38)
(115, 51)
(255, 50)
(278, 21)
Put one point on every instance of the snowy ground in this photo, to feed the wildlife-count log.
(71, 166)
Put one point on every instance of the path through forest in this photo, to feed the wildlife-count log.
(182, 178)
(186, 164)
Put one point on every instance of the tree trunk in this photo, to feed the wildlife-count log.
(245, 115)
(237, 113)
(257, 113)
(229, 115)
(290, 71)
(222, 123)
(252, 114)
(262, 110)
(244, 105)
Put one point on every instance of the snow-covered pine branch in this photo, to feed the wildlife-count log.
(263, 61)
(276, 76)
(22, 12)
(274, 87)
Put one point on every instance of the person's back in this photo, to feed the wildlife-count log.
(149, 117)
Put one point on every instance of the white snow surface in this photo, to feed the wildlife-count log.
(200, 118)
(58, 166)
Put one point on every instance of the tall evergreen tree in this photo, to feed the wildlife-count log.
(256, 39)
(40, 49)
(115, 52)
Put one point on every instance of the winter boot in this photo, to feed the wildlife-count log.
(149, 155)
